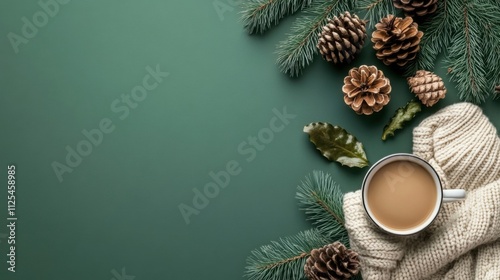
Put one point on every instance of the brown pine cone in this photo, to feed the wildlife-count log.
(366, 89)
(416, 8)
(342, 38)
(332, 262)
(396, 40)
(428, 87)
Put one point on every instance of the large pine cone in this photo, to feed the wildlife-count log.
(332, 262)
(366, 89)
(342, 38)
(428, 87)
(396, 40)
(416, 8)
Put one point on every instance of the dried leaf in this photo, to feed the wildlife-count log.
(336, 144)
(401, 116)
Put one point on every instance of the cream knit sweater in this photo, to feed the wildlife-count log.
(464, 241)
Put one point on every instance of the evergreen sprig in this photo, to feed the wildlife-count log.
(375, 10)
(438, 32)
(259, 15)
(284, 259)
(298, 50)
(473, 53)
(321, 199)
(493, 60)
(466, 32)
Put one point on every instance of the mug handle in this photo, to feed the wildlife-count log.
(453, 195)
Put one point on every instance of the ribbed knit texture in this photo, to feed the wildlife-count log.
(464, 240)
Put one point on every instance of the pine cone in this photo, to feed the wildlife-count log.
(416, 8)
(396, 40)
(428, 87)
(497, 89)
(342, 38)
(332, 262)
(366, 89)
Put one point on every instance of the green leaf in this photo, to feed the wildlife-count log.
(336, 144)
(401, 116)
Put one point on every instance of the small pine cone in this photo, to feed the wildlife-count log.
(332, 262)
(497, 89)
(416, 8)
(396, 40)
(428, 87)
(342, 38)
(366, 89)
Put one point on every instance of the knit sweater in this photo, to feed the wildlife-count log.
(464, 240)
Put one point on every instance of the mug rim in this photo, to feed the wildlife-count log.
(438, 185)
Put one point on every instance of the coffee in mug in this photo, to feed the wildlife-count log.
(402, 194)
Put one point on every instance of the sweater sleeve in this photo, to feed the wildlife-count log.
(464, 148)
(379, 253)
(474, 224)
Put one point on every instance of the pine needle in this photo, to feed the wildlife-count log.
(375, 10)
(260, 15)
(321, 199)
(298, 50)
(437, 36)
(492, 59)
(467, 57)
(284, 259)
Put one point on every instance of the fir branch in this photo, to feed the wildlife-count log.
(492, 44)
(321, 199)
(493, 61)
(467, 55)
(298, 50)
(375, 10)
(437, 36)
(259, 15)
(284, 259)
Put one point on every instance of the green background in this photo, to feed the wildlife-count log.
(119, 207)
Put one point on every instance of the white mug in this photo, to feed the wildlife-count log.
(448, 195)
